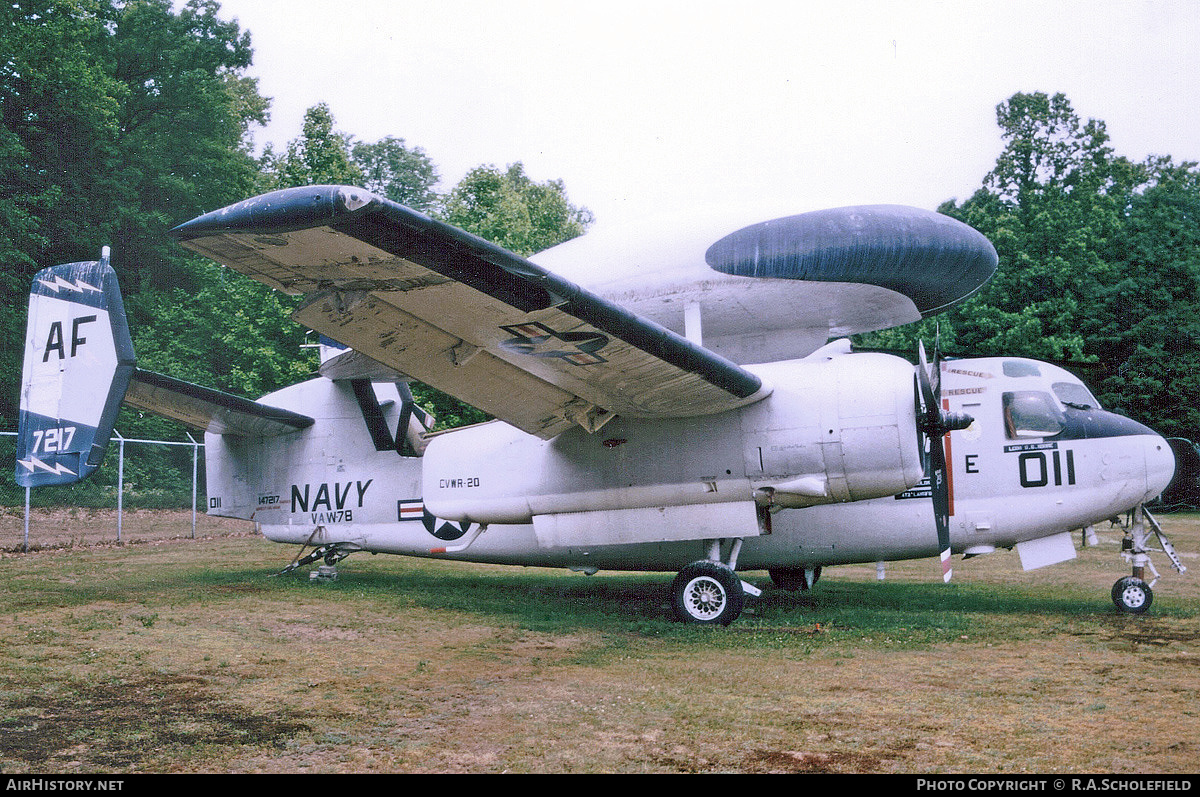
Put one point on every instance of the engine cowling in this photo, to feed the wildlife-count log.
(842, 428)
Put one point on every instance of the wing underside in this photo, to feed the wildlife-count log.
(463, 315)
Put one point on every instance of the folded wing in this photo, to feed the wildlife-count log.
(463, 315)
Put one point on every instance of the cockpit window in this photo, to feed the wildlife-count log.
(1031, 413)
(1075, 395)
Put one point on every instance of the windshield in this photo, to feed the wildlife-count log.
(1074, 394)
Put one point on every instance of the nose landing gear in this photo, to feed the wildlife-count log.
(1133, 594)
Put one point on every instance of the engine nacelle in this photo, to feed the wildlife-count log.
(835, 428)
(840, 428)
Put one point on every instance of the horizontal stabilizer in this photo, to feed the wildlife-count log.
(209, 410)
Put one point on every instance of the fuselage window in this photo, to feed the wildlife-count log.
(1021, 368)
(1031, 413)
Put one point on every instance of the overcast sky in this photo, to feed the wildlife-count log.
(789, 106)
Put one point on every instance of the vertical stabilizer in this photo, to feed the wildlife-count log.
(78, 363)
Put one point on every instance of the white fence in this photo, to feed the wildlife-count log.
(120, 443)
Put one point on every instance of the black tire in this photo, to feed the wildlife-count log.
(792, 578)
(1132, 595)
(707, 593)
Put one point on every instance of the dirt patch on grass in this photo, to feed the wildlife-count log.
(116, 725)
(786, 762)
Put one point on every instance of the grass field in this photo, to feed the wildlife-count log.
(180, 655)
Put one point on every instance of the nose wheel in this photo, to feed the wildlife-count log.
(1133, 594)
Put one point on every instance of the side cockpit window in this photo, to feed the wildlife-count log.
(1031, 413)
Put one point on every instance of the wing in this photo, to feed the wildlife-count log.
(463, 315)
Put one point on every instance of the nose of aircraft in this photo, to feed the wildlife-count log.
(1160, 465)
(1159, 457)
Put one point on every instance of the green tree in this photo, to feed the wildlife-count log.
(1099, 264)
(319, 156)
(250, 345)
(401, 173)
(1053, 199)
(244, 340)
(1099, 261)
(60, 109)
(1144, 328)
(186, 114)
(512, 210)
(1048, 152)
(57, 126)
(1049, 205)
(118, 120)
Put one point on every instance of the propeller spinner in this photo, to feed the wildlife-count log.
(934, 423)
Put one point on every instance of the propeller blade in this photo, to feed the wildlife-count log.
(940, 489)
(935, 371)
(935, 423)
(928, 392)
(937, 347)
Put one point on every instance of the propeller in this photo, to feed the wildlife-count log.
(934, 423)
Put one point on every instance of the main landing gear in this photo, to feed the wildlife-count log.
(708, 592)
(1132, 594)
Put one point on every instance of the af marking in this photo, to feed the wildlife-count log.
(55, 342)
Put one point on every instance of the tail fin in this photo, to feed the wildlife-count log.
(78, 363)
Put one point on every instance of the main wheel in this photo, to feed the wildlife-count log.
(1132, 595)
(708, 593)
